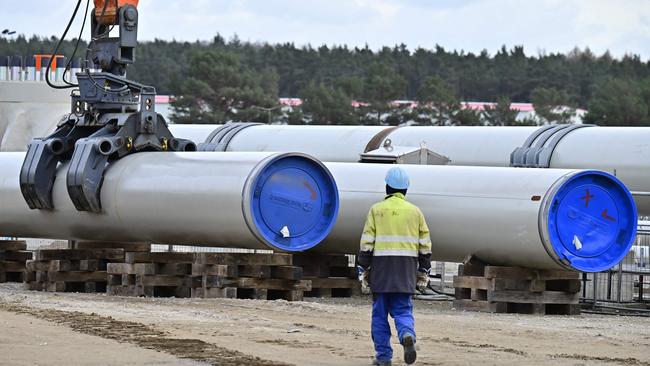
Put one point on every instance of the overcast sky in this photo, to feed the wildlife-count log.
(621, 26)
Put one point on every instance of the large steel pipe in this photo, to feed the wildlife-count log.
(538, 218)
(285, 201)
(622, 151)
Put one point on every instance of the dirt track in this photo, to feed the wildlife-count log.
(316, 332)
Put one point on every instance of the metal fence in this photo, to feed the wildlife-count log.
(629, 281)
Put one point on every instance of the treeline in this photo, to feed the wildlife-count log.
(224, 80)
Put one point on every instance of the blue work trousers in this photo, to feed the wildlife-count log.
(400, 308)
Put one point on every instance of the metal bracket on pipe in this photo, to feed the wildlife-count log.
(546, 140)
(219, 139)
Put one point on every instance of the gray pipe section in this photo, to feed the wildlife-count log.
(622, 151)
(486, 212)
(499, 215)
(179, 198)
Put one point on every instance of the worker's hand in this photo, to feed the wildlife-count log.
(364, 278)
(423, 279)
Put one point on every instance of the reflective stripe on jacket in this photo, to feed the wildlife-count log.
(396, 240)
(396, 227)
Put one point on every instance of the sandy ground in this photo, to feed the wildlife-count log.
(93, 329)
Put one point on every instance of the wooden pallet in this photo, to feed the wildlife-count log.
(247, 276)
(151, 275)
(331, 275)
(497, 289)
(13, 255)
(70, 270)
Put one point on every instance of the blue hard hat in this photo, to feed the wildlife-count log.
(397, 178)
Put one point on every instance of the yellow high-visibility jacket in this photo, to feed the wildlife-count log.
(394, 243)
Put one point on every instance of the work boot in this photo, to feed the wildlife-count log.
(377, 362)
(408, 342)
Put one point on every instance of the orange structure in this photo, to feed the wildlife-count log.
(39, 60)
(110, 14)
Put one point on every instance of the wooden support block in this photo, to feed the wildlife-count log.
(10, 266)
(545, 297)
(133, 291)
(213, 281)
(334, 260)
(316, 270)
(77, 276)
(254, 271)
(537, 285)
(176, 269)
(223, 270)
(286, 272)
(128, 247)
(89, 265)
(473, 282)
(144, 269)
(142, 257)
(6, 245)
(163, 280)
(120, 268)
(273, 284)
(529, 274)
(471, 267)
(79, 254)
(16, 256)
(275, 259)
(35, 265)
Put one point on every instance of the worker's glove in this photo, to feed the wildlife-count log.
(423, 279)
(364, 278)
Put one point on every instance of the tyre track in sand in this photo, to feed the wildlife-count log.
(142, 335)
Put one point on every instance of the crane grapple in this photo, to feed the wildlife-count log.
(110, 117)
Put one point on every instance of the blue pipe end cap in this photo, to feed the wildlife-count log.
(592, 221)
(294, 203)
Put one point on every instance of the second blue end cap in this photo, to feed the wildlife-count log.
(592, 221)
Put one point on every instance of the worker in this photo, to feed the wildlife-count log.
(394, 258)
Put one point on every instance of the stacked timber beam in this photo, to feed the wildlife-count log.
(151, 274)
(13, 255)
(131, 269)
(207, 275)
(497, 289)
(81, 269)
(330, 275)
(243, 275)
